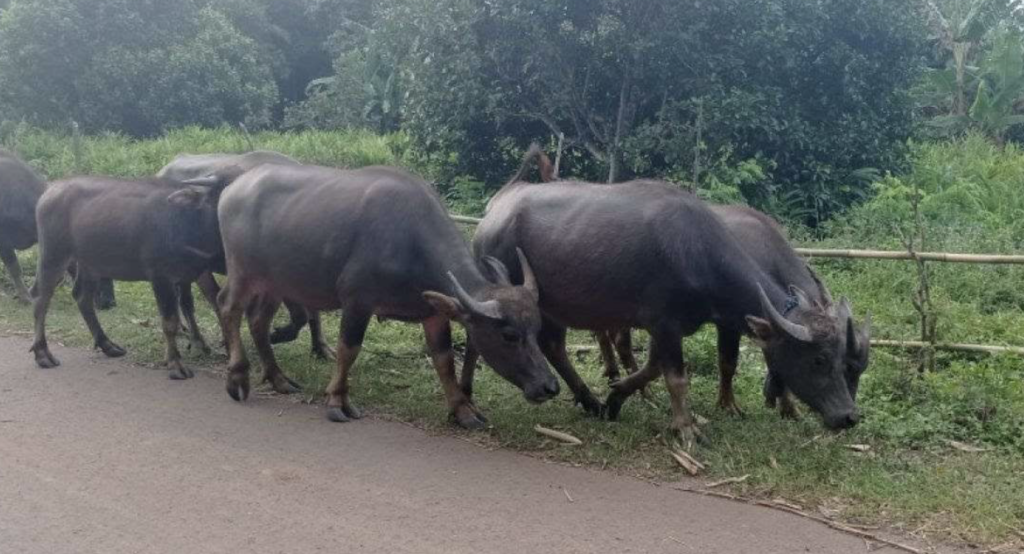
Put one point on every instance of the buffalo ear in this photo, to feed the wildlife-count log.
(188, 197)
(762, 330)
(446, 305)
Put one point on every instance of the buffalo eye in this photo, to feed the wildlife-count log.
(511, 336)
(820, 361)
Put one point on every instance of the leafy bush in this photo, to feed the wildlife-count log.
(137, 67)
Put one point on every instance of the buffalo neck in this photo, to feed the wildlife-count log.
(742, 298)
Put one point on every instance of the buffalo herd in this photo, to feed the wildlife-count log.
(379, 241)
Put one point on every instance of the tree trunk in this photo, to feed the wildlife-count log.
(620, 129)
(960, 51)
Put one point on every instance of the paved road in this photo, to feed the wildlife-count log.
(99, 456)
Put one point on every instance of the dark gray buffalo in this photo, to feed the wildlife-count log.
(645, 254)
(377, 241)
(152, 230)
(765, 242)
(20, 189)
(226, 167)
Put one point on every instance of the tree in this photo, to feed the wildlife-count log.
(137, 66)
(816, 90)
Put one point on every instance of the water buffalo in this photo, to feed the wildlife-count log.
(646, 254)
(152, 230)
(192, 166)
(765, 242)
(375, 241)
(20, 189)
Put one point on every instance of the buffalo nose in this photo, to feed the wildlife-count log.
(551, 388)
(852, 419)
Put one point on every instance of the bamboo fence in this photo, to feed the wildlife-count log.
(947, 257)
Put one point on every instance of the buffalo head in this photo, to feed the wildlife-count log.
(807, 349)
(502, 322)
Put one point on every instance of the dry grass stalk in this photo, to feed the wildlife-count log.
(558, 435)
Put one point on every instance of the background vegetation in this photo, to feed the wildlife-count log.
(834, 116)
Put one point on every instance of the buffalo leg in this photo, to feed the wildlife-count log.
(666, 349)
(167, 302)
(232, 301)
(287, 333)
(469, 362)
(10, 259)
(438, 332)
(188, 309)
(211, 291)
(624, 347)
(354, 321)
(551, 340)
(84, 293)
(728, 358)
(49, 273)
(776, 393)
(105, 299)
(319, 345)
(624, 388)
(611, 367)
(260, 318)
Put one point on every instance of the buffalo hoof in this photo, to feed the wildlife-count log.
(45, 359)
(685, 437)
(468, 417)
(282, 384)
(179, 372)
(788, 411)
(199, 345)
(729, 406)
(343, 414)
(105, 303)
(591, 405)
(324, 352)
(283, 334)
(613, 404)
(238, 386)
(111, 350)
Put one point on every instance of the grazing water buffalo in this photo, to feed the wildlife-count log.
(376, 241)
(152, 230)
(646, 254)
(765, 242)
(227, 167)
(20, 189)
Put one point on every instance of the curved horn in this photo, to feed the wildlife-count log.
(844, 311)
(798, 332)
(499, 270)
(801, 296)
(489, 309)
(204, 181)
(529, 279)
(825, 295)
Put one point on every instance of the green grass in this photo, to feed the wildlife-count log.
(910, 478)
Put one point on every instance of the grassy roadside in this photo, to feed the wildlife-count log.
(913, 484)
(910, 478)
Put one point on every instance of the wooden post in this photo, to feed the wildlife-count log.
(77, 150)
(558, 155)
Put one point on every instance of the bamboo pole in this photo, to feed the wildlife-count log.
(885, 343)
(903, 255)
(908, 344)
(951, 257)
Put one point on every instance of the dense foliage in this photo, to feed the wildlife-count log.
(794, 106)
(783, 103)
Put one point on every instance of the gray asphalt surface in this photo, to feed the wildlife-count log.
(100, 456)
